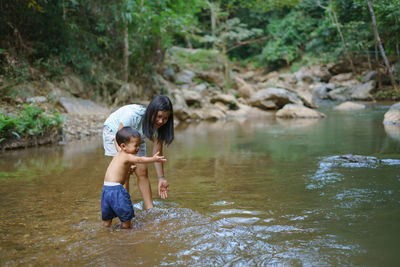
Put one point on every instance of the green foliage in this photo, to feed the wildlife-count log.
(30, 121)
(288, 36)
(387, 95)
(200, 59)
(87, 34)
(152, 26)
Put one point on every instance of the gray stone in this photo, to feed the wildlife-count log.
(298, 111)
(363, 91)
(348, 106)
(274, 98)
(36, 99)
(392, 116)
(185, 76)
(79, 106)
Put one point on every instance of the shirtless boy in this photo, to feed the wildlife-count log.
(115, 199)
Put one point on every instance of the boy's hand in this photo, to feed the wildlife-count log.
(132, 169)
(163, 188)
(158, 158)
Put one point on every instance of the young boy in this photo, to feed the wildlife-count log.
(115, 200)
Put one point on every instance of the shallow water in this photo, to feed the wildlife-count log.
(244, 192)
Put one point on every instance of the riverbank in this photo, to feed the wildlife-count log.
(198, 86)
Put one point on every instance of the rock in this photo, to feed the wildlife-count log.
(341, 78)
(339, 68)
(74, 85)
(36, 99)
(181, 113)
(307, 99)
(273, 98)
(340, 94)
(321, 90)
(392, 116)
(201, 88)
(185, 76)
(213, 114)
(228, 100)
(393, 131)
(320, 72)
(192, 98)
(363, 91)
(372, 75)
(212, 77)
(348, 106)
(287, 78)
(248, 111)
(169, 74)
(298, 111)
(245, 90)
(264, 78)
(77, 106)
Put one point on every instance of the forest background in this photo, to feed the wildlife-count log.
(128, 39)
(109, 43)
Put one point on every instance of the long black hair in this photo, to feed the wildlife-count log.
(165, 132)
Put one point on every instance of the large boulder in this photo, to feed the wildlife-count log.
(298, 111)
(363, 91)
(273, 98)
(77, 106)
(392, 116)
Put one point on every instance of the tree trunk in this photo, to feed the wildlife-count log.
(378, 40)
(342, 38)
(213, 20)
(126, 54)
(378, 67)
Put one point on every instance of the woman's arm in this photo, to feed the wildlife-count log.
(115, 141)
(162, 182)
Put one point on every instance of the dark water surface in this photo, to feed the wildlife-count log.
(244, 192)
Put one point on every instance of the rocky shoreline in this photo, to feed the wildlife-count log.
(199, 94)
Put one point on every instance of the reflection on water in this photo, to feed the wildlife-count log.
(243, 192)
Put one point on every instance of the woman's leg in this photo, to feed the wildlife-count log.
(144, 185)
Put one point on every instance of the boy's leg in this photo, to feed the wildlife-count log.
(107, 223)
(144, 185)
(126, 225)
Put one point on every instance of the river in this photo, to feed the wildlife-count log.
(243, 192)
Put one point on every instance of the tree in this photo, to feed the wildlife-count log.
(379, 44)
(228, 33)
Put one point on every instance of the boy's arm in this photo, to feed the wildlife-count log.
(155, 158)
(162, 182)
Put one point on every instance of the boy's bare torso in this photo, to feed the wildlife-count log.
(119, 166)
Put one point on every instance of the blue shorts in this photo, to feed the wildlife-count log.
(116, 202)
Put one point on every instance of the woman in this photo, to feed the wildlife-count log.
(156, 122)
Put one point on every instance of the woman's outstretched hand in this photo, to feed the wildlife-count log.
(163, 188)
